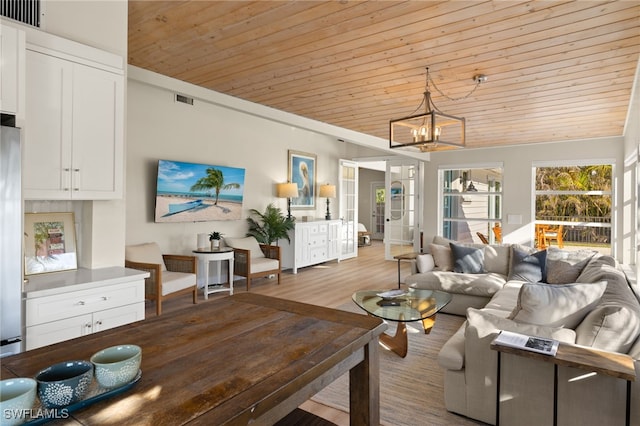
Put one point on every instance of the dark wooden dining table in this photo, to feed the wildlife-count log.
(236, 360)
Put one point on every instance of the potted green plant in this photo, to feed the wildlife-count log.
(270, 226)
(215, 237)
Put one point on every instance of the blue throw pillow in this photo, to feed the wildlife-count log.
(527, 266)
(468, 260)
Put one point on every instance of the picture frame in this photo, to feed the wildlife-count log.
(302, 170)
(50, 243)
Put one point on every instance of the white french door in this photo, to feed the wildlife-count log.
(376, 227)
(403, 213)
(348, 171)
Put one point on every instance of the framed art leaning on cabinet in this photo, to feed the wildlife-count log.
(50, 243)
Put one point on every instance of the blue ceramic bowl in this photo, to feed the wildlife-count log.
(64, 383)
(16, 397)
(118, 365)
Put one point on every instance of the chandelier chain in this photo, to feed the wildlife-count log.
(454, 99)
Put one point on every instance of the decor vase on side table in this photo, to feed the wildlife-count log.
(218, 255)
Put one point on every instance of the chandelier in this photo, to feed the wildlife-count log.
(433, 129)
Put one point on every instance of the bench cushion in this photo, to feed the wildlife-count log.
(176, 281)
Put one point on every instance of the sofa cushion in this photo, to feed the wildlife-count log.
(496, 258)
(609, 327)
(615, 323)
(442, 257)
(468, 260)
(246, 243)
(563, 305)
(486, 324)
(527, 264)
(425, 262)
(564, 267)
(485, 285)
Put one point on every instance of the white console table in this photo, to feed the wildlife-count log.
(218, 256)
(311, 243)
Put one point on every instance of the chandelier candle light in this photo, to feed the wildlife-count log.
(288, 191)
(327, 191)
(432, 129)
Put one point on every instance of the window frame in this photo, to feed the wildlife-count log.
(444, 196)
(576, 163)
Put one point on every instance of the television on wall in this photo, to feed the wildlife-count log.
(192, 192)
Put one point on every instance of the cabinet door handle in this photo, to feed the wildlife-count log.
(101, 299)
(99, 322)
(76, 179)
(88, 325)
(66, 169)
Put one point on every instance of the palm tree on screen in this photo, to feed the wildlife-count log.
(214, 180)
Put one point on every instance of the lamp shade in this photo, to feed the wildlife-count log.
(327, 191)
(287, 190)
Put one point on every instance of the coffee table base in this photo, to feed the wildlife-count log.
(399, 342)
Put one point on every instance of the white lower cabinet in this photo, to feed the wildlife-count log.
(64, 315)
(311, 243)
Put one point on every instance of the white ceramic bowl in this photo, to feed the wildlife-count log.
(116, 366)
(16, 397)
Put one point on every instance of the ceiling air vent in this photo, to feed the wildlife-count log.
(184, 99)
(25, 11)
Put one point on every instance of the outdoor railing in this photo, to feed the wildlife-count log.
(583, 234)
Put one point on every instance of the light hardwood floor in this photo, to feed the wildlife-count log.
(330, 284)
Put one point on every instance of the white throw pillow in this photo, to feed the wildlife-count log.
(246, 243)
(145, 253)
(557, 305)
(425, 263)
(442, 257)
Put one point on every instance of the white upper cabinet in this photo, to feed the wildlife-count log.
(74, 133)
(12, 45)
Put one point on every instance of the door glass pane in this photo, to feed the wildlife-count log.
(402, 233)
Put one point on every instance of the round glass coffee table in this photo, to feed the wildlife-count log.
(402, 306)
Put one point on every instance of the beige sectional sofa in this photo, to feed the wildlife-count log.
(589, 303)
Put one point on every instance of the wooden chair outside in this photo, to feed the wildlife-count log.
(482, 237)
(170, 275)
(545, 234)
(253, 260)
(497, 232)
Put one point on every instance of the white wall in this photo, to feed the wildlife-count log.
(159, 128)
(518, 161)
(98, 23)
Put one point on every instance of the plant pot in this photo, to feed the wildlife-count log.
(215, 245)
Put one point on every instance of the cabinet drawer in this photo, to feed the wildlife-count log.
(58, 331)
(51, 308)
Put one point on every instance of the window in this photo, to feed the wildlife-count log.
(471, 202)
(575, 201)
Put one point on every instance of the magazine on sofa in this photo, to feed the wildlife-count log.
(529, 343)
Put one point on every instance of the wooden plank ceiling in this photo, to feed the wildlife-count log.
(557, 70)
